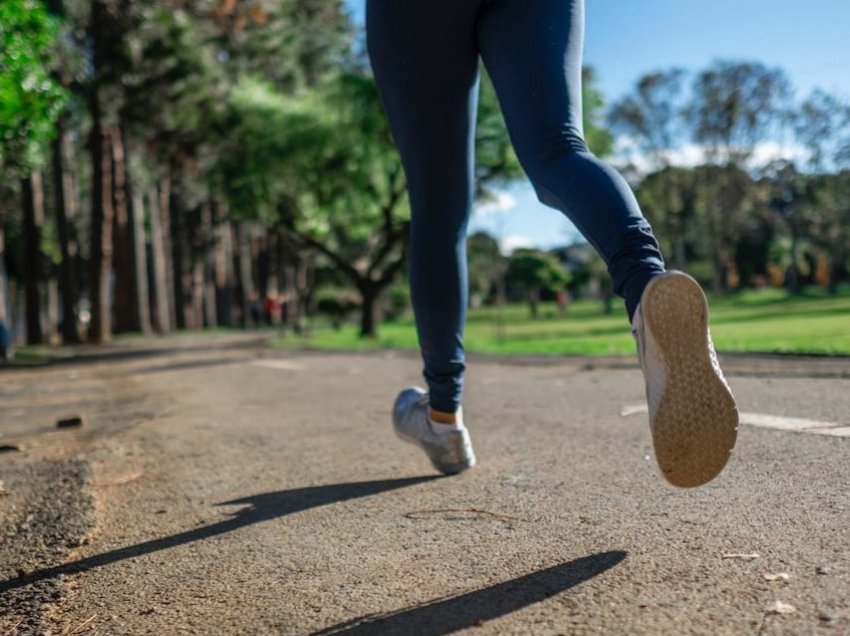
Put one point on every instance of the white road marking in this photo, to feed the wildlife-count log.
(776, 422)
(838, 431)
(280, 365)
(782, 423)
(633, 409)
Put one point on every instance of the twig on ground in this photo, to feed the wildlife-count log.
(476, 511)
(82, 625)
(126, 479)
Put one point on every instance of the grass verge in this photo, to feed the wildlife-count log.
(770, 320)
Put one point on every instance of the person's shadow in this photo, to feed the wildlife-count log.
(440, 616)
(448, 615)
(259, 508)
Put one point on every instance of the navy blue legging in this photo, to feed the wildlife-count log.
(425, 57)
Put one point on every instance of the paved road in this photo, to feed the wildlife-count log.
(223, 488)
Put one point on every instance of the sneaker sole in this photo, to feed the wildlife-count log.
(696, 422)
(447, 469)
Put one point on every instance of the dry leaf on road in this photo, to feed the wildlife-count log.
(779, 607)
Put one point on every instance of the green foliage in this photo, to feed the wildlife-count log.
(337, 305)
(599, 139)
(495, 156)
(322, 162)
(734, 105)
(397, 301)
(822, 124)
(289, 43)
(351, 173)
(534, 270)
(30, 100)
(485, 263)
(668, 198)
(651, 114)
(264, 132)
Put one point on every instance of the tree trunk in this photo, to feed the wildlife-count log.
(204, 290)
(835, 271)
(101, 192)
(222, 275)
(126, 295)
(205, 287)
(792, 275)
(137, 241)
(33, 200)
(198, 293)
(101, 228)
(290, 314)
(164, 207)
(534, 302)
(263, 270)
(66, 211)
(680, 259)
(248, 293)
(182, 276)
(52, 296)
(140, 258)
(6, 338)
(305, 281)
(159, 266)
(369, 295)
(4, 281)
(718, 276)
(239, 297)
(197, 231)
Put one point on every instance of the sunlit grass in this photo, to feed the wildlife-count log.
(755, 321)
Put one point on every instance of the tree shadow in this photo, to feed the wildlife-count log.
(447, 615)
(261, 507)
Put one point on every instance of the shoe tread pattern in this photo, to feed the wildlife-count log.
(695, 424)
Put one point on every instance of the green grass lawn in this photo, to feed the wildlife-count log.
(765, 321)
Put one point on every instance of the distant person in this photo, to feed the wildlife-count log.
(271, 309)
(563, 300)
(6, 341)
(425, 57)
(256, 311)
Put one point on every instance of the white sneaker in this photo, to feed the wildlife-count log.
(448, 446)
(692, 413)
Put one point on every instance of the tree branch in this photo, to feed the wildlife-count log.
(394, 268)
(392, 239)
(389, 230)
(344, 266)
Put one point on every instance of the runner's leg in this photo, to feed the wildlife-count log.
(425, 62)
(533, 53)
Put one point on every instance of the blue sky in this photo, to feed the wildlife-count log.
(627, 38)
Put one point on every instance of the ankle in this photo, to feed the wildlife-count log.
(441, 417)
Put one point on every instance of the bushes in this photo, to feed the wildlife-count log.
(337, 305)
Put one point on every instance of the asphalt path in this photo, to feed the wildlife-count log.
(220, 487)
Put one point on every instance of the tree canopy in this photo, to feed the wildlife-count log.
(30, 99)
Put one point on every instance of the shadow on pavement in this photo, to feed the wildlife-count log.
(261, 507)
(191, 364)
(101, 354)
(447, 615)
